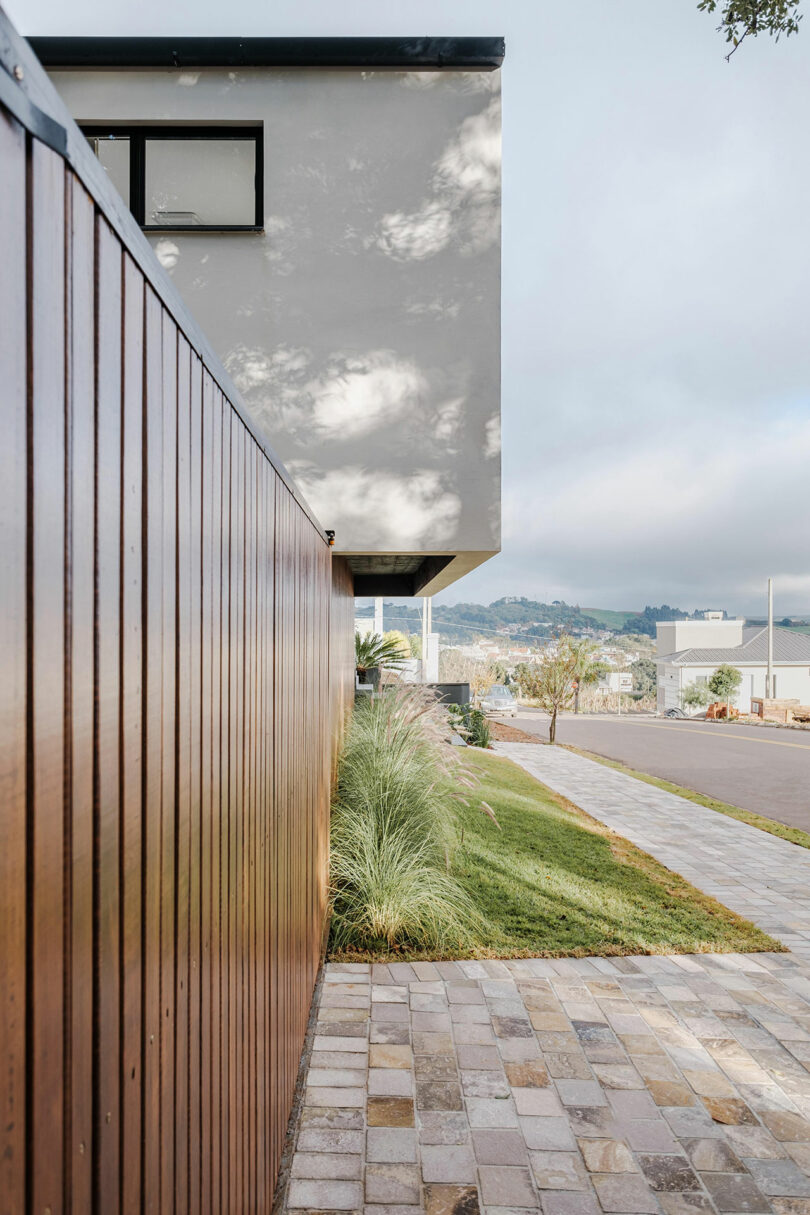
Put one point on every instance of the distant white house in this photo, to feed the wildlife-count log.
(690, 651)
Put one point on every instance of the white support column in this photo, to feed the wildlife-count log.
(769, 673)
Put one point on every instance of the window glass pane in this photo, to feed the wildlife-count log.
(200, 181)
(113, 152)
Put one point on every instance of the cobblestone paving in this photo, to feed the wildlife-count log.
(573, 1087)
(673, 1084)
(758, 875)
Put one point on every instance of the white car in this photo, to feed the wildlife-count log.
(499, 700)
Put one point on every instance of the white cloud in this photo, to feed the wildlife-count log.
(688, 518)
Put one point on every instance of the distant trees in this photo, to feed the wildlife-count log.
(645, 676)
(646, 621)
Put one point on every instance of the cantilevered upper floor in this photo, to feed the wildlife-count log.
(330, 211)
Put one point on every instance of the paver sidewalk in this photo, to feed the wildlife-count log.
(595, 1086)
(572, 1087)
(762, 877)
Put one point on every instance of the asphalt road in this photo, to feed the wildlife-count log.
(758, 768)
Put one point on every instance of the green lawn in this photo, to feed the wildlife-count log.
(794, 835)
(553, 881)
(609, 619)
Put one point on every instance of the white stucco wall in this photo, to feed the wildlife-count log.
(363, 325)
(674, 635)
(791, 681)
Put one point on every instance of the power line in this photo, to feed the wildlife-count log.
(452, 625)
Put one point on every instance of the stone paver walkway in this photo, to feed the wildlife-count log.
(597, 1086)
(762, 877)
(572, 1087)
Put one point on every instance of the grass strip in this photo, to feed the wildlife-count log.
(554, 882)
(794, 835)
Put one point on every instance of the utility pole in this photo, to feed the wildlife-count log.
(769, 673)
(425, 611)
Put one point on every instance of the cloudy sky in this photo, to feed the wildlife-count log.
(656, 271)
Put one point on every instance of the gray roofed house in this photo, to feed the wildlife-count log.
(716, 642)
(788, 647)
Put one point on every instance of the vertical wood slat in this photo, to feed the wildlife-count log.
(131, 647)
(46, 705)
(206, 1056)
(153, 739)
(168, 841)
(80, 463)
(182, 858)
(168, 710)
(108, 717)
(14, 665)
(195, 777)
(216, 449)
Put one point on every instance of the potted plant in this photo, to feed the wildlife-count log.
(373, 654)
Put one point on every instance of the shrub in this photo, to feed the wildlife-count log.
(471, 724)
(393, 830)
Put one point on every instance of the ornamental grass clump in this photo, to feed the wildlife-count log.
(393, 831)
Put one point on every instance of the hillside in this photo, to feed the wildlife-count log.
(519, 619)
(610, 619)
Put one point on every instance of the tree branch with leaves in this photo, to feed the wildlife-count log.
(740, 19)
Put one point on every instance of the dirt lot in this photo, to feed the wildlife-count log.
(501, 732)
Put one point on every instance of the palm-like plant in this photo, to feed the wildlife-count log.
(371, 650)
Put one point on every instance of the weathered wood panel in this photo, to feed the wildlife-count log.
(176, 650)
(15, 668)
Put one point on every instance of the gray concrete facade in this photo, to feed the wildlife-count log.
(362, 325)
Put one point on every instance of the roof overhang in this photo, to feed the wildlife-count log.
(408, 574)
(388, 54)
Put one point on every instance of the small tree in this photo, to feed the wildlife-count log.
(551, 680)
(724, 683)
(588, 670)
(695, 696)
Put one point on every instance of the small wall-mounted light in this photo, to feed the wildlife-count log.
(330, 536)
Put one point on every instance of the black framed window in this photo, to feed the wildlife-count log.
(185, 178)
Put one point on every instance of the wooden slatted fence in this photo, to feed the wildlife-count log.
(176, 658)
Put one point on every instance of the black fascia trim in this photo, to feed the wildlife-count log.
(403, 54)
(138, 134)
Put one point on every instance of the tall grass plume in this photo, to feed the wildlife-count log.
(393, 830)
